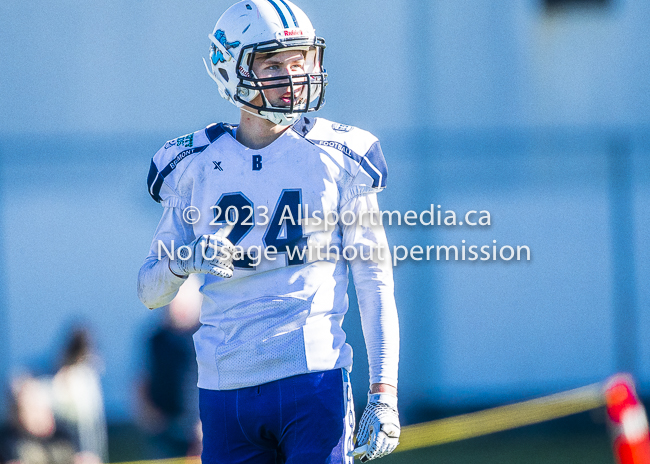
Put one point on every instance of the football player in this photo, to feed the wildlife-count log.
(273, 211)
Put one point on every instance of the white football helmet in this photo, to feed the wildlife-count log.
(253, 27)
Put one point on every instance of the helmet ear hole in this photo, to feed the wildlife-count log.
(224, 74)
(245, 94)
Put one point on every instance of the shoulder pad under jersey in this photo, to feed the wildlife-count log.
(368, 166)
(170, 162)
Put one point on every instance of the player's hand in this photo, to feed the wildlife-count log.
(379, 427)
(208, 254)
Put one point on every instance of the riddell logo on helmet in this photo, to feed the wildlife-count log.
(292, 32)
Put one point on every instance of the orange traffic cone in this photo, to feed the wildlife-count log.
(627, 421)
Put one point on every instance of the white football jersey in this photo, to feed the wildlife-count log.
(281, 312)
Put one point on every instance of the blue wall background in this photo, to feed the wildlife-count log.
(539, 116)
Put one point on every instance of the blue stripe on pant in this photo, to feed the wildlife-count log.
(300, 419)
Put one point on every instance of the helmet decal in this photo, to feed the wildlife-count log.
(221, 37)
(280, 13)
(293, 17)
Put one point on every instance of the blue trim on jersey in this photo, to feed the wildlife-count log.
(154, 182)
(376, 177)
(291, 13)
(214, 131)
(180, 157)
(282, 17)
(303, 126)
(373, 163)
(375, 159)
(155, 178)
(343, 148)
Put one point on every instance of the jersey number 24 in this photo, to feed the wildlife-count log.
(282, 233)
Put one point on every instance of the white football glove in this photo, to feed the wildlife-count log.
(208, 254)
(379, 428)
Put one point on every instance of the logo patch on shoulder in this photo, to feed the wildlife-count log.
(341, 127)
(186, 141)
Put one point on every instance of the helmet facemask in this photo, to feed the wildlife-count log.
(306, 89)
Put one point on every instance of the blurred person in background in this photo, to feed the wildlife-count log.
(169, 397)
(78, 398)
(32, 437)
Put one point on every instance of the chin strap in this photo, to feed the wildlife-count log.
(280, 119)
(244, 108)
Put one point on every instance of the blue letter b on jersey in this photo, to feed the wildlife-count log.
(257, 162)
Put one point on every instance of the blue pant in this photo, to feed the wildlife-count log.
(305, 419)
